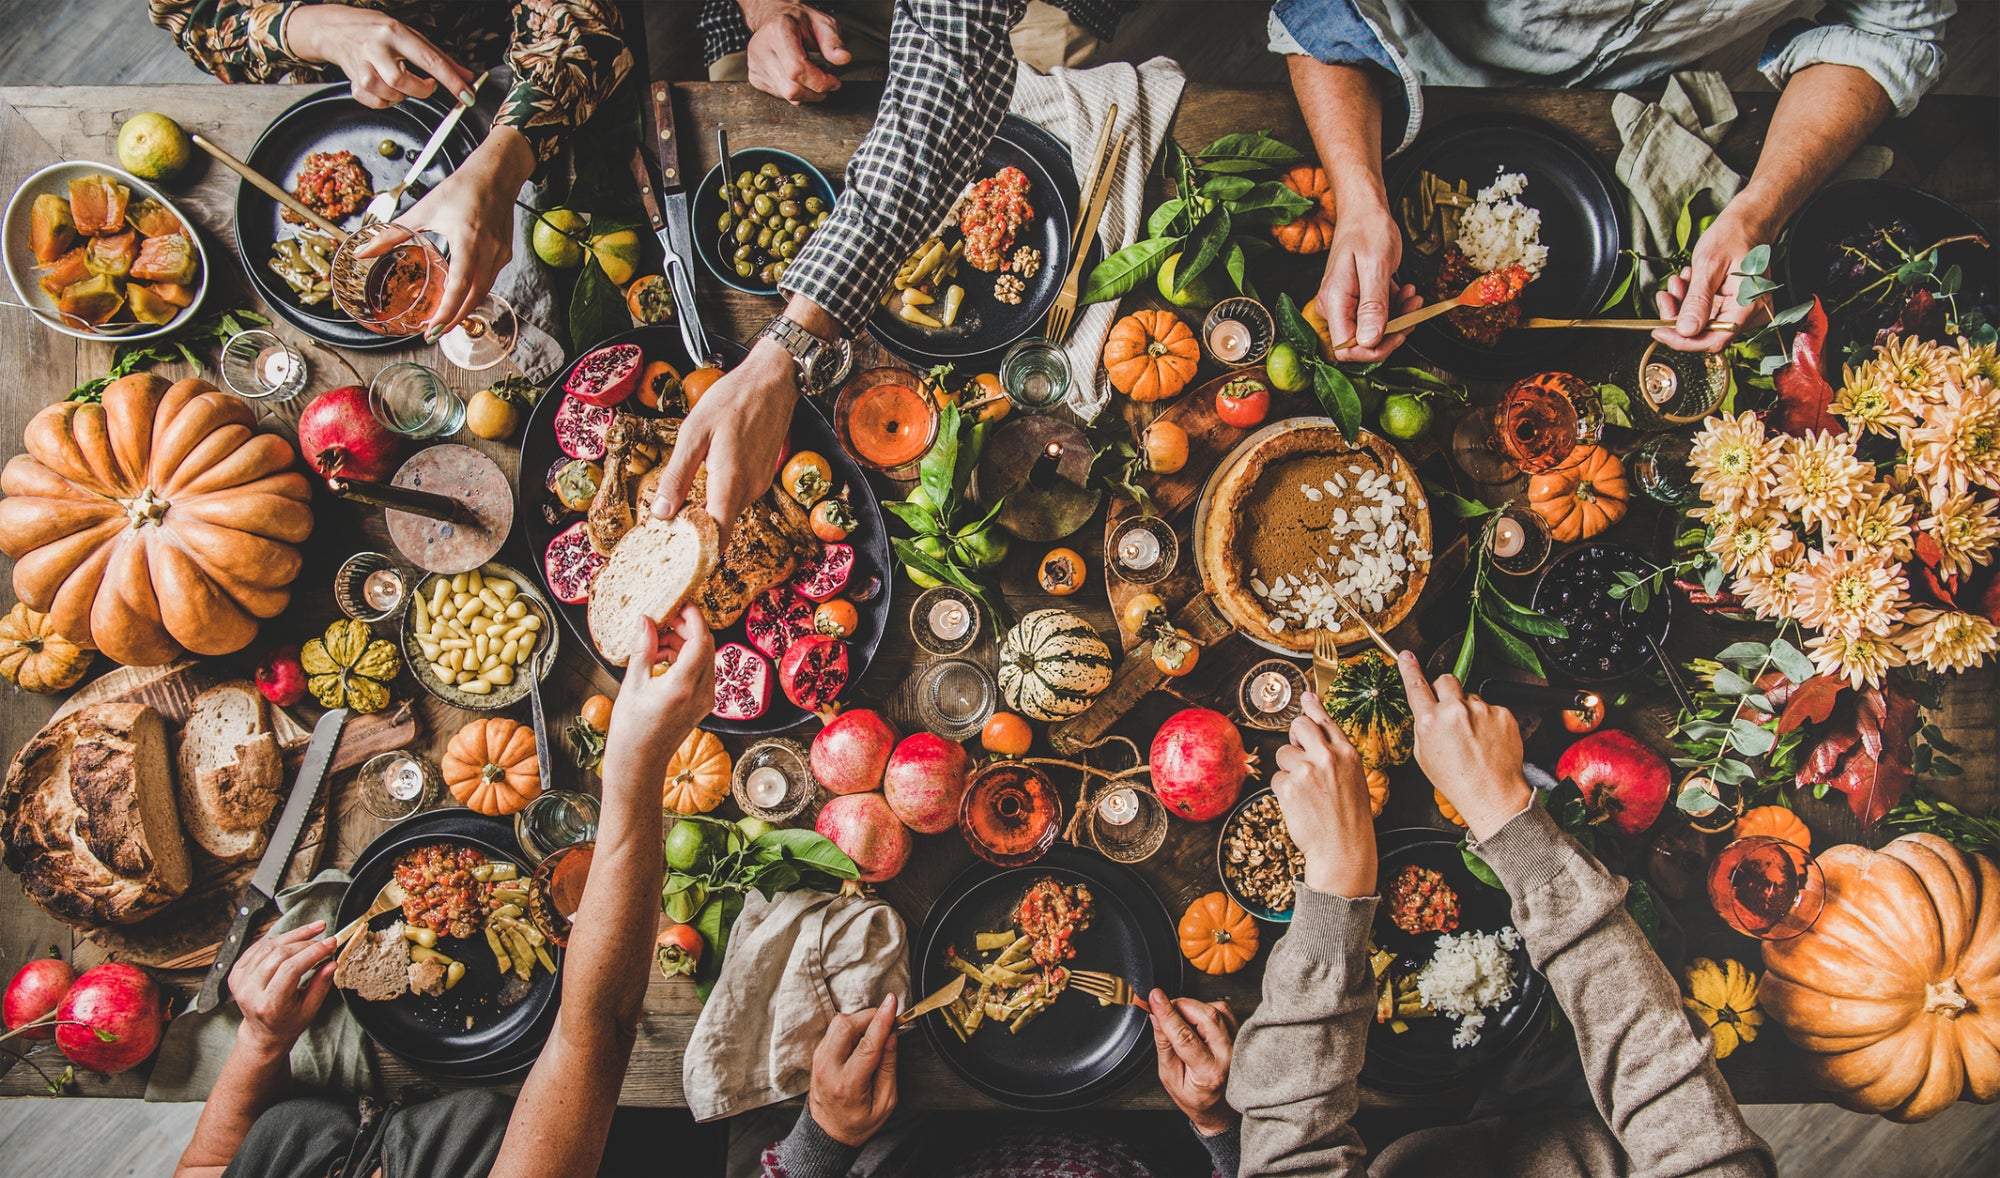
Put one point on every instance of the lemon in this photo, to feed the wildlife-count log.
(153, 147)
(1202, 292)
(555, 238)
(1285, 368)
(618, 253)
(1405, 417)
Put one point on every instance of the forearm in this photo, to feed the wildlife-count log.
(1343, 110)
(235, 40)
(255, 1076)
(1825, 112)
(1294, 1074)
(1652, 1077)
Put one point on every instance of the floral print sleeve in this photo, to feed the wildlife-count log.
(568, 56)
(234, 40)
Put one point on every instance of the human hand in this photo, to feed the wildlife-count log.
(1705, 290)
(782, 33)
(1469, 749)
(1193, 1040)
(384, 59)
(1324, 794)
(473, 212)
(738, 428)
(279, 983)
(854, 1074)
(669, 686)
(1358, 294)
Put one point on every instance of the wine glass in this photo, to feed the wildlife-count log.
(1540, 425)
(1766, 888)
(394, 291)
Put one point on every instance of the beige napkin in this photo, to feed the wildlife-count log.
(1071, 105)
(793, 963)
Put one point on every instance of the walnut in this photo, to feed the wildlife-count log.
(1259, 857)
(1007, 288)
(1026, 261)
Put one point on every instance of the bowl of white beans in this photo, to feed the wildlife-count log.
(472, 639)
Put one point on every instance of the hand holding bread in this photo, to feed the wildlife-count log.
(279, 983)
(669, 686)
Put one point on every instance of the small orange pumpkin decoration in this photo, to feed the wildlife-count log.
(1778, 822)
(1217, 935)
(1378, 791)
(1151, 355)
(1321, 328)
(1583, 498)
(33, 657)
(1312, 232)
(697, 775)
(491, 766)
(1445, 808)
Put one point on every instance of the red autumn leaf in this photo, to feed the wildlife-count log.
(1810, 702)
(1928, 550)
(1803, 393)
(1910, 320)
(1986, 600)
(1867, 756)
(1942, 590)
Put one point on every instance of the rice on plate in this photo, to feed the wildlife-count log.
(1468, 975)
(1499, 231)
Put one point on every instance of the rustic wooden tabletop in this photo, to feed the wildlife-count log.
(1949, 147)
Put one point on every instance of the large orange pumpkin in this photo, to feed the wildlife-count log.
(1895, 989)
(697, 775)
(1312, 232)
(1217, 935)
(155, 523)
(1778, 822)
(1584, 497)
(1151, 355)
(491, 766)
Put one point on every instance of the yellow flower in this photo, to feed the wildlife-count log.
(1732, 460)
(1751, 543)
(1816, 477)
(1772, 594)
(1869, 405)
(1859, 659)
(1849, 593)
(1948, 640)
(1958, 443)
(1973, 362)
(1965, 530)
(1879, 520)
(1915, 367)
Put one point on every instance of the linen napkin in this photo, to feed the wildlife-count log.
(1071, 105)
(793, 963)
(332, 1056)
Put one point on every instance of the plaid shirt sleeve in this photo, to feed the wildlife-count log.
(951, 75)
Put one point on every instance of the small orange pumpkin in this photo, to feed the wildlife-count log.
(1378, 791)
(697, 775)
(1778, 822)
(491, 766)
(1583, 498)
(1312, 232)
(1151, 355)
(1217, 935)
(33, 657)
(1445, 808)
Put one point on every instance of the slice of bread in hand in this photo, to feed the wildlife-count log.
(375, 965)
(231, 771)
(656, 567)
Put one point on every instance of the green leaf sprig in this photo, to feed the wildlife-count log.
(209, 331)
(942, 515)
(1718, 744)
(776, 861)
(1508, 625)
(1346, 391)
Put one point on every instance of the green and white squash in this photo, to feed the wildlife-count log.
(1369, 703)
(1052, 665)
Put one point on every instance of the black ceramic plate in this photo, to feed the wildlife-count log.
(1076, 1052)
(986, 326)
(1422, 1058)
(331, 120)
(1582, 224)
(465, 1032)
(1608, 641)
(541, 517)
(705, 214)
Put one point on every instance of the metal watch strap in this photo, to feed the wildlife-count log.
(822, 363)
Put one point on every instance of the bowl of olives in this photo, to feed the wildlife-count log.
(749, 225)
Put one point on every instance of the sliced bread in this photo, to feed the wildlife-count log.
(231, 771)
(375, 966)
(656, 567)
(427, 977)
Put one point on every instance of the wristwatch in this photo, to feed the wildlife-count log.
(822, 363)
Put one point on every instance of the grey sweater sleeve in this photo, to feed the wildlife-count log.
(808, 1153)
(1294, 1072)
(1652, 1076)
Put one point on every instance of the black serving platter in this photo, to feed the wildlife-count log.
(1582, 225)
(1076, 1052)
(540, 517)
(986, 326)
(1422, 1058)
(466, 1033)
(1581, 577)
(330, 119)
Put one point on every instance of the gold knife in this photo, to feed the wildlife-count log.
(945, 996)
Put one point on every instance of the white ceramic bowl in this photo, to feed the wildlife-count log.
(25, 274)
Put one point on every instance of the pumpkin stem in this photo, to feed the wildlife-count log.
(1586, 491)
(1155, 348)
(490, 773)
(1945, 999)
(146, 508)
(1222, 936)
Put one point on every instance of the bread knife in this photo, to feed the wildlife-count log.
(261, 894)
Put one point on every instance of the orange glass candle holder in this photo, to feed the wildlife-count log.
(887, 420)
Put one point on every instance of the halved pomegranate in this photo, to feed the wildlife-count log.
(742, 682)
(777, 619)
(813, 673)
(581, 428)
(825, 575)
(572, 563)
(606, 376)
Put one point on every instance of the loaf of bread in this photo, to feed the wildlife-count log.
(88, 820)
(231, 771)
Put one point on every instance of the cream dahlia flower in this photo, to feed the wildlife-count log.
(1948, 640)
(1845, 592)
(1862, 659)
(1732, 460)
(1965, 530)
(1957, 445)
(1878, 521)
(1817, 477)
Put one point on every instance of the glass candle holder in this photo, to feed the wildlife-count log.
(397, 784)
(1142, 550)
(955, 697)
(1035, 375)
(370, 587)
(1519, 542)
(1676, 387)
(414, 401)
(1010, 814)
(1128, 823)
(944, 620)
(258, 366)
(1272, 694)
(1238, 332)
(773, 780)
(554, 820)
(886, 420)
(1766, 888)
(1663, 470)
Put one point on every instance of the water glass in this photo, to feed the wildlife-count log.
(1035, 375)
(553, 820)
(1664, 470)
(414, 401)
(955, 697)
(258, 366)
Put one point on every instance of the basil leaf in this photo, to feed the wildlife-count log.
(1127, 268)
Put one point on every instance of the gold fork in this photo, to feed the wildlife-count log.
(1108, 989)
(1063, 314)
(1326, 662)
(391, 896)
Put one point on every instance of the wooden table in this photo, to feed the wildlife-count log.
(1949, 148)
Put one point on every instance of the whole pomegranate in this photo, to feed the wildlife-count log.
(112, 1018)
(866, 828)
(36, 991)
(281, 678)
(925, 781)
(1199, 764)
(339, 435)
(850, 754)
(1623, 781)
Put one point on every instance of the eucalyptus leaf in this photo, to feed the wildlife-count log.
(1791, 661)
(1744, 654)
(1730, 772)
(1696, 800)
(1730, 683)
(1126, 269)
(1791, 314)
(1757, 261)
(1750, 739)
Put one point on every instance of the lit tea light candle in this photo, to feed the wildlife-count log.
(1271, 691)
(766, 785)
(1659, 382)
(383, 589)
(950, 620)
(1509, 537)
(278, 366)
(1230, 341)
(1140, 549)
(403, 779)
(1119, 807)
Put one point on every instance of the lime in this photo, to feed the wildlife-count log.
(983, 548)
(1202, 292)
(153, 147)
(918, 497)
(753, 828)
(618, 253)
(688, 846)
(555, 238)
(933, 547)
(1285, 369)
(1405, 417)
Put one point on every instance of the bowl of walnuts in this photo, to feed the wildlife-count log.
(1257, 859)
